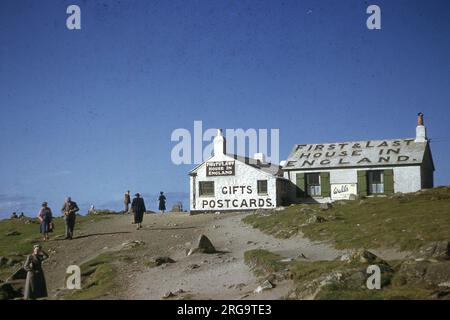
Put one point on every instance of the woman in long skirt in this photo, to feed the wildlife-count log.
(45, 217)
(138, 208)
(162, 202)
(35, 285)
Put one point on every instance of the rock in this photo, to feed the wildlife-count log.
(353, 197)
(163, 260)
(132, 244)
(19, 274)
(306, 210)
(193, 266)
(362, 256)
(3, 261)
(13, 233)
(204, 245)
(177, 207)
(315, 219)
(168, 294)
(7, 292)
(325, 206)
(438, 250)
(266, 285)
(280, 208)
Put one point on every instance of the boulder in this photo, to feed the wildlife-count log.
(7, 291)
(325, 206)
(437, 250)
(163, 260)
(177, 207)
(266, 285)
(12, 233)
(19, 274)
(315, 219)
(204, 245)
(414, 272)
(362, 256)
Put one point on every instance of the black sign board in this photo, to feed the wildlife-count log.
(220, 168)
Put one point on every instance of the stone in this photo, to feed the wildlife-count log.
(12, 233)
(353, 197)
(266, 285)
(315, 219)
(177, 207)
(280, 208)
(3, 261)
(204, 245)
(438, 250)
(325, 206)
(163, 260)
(8, 292)
(168, 294)
(19, 274)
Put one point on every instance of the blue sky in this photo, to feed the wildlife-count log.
(89, 113)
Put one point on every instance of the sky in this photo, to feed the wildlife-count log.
(89, 113)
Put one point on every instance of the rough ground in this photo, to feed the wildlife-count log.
(222, 275)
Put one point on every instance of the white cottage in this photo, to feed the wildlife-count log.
(227, 182)
(333, 171)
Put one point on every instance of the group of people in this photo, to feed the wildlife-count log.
(35, 285)
(138, 206)
(45, 216)
(15, 216)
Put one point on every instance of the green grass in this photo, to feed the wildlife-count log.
(17, 247)
(307, 276)
(406, 222)
(98, 277)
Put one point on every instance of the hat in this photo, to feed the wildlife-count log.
(138, 194)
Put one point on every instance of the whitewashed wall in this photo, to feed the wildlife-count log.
(245, 175)
(406, 179)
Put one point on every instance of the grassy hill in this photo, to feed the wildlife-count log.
(418, 223)
(404, 221)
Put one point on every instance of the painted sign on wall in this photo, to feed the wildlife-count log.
(220, 168)
(342, 191)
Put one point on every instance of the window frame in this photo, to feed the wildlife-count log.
(317, 187)
(266, 192)
(201, 192)
(378, 187)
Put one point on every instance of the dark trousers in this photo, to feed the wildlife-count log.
(70, 225)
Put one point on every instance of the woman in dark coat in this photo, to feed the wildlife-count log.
(45, 216)
(138, 208)
(35, 285)
(162, 202)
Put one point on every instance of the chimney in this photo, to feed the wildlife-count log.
(421, 131)
(259, 157)
(219, 144)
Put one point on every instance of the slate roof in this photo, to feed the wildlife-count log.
(357, 154)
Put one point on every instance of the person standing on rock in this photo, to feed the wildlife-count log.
(35, 285)
(45, 216)
(69, 209)
(162, 202)
(127, 201)
(138, 208)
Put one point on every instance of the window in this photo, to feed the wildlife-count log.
(206, 188)
(376, 181)
(313, 184)
(262, 186)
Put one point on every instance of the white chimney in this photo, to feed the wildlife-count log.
(259, 157)
(219, 144)
(421, 131)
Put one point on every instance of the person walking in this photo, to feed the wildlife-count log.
(69, 209)
(35, 285)
(138, 208)
(162, 202)
(127, 201)
(45, 216)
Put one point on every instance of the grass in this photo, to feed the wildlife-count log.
(308, 275)
(405, 222)
(17, 246)
(99, 277)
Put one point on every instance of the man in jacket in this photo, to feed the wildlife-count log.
(69, 209)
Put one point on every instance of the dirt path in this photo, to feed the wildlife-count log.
(200, 276)
(224, 275)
